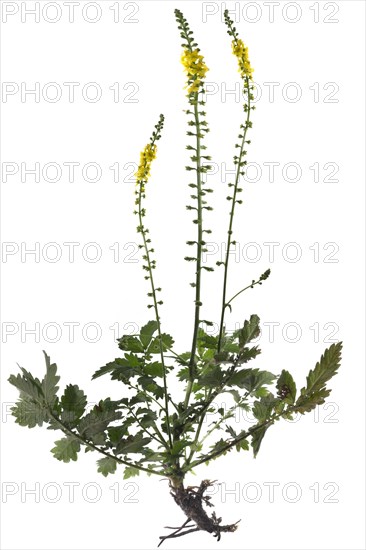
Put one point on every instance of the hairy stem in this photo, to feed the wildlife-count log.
(231, 219)
(155, 303)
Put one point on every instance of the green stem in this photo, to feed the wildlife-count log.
(231, 444)
(231, 220)
(198, 252)
(68, 431)
(156, 309)
(159, 439)
(242, 290)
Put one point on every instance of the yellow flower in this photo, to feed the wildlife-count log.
(195, 67)
(241, 52)
(146, 158)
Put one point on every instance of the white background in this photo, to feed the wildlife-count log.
(323, 450)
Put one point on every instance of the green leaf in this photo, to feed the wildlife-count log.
(307, 403)
(315, 391)
(213, 378)
(219, 446)
(149, 384)
(107, 465)
(154, 369)
(166, 341)
(324, 370)
(249, 332)
(183, 374)
(205, 341)
(130, 471)
(93, 425)
(49, 383)
(246, 354)
(178, 446)
(73, 403)
(257, 438)
(130, 343)
(261, 411)
(235, 394)
(251, 379)
(115, 433)
(29, 413)
(122, 368)
(132, 444)
(66, 449)
(27, 384)
(147, 332)
(286, 387)
(242, 445)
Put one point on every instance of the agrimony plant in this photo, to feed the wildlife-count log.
(147, 430)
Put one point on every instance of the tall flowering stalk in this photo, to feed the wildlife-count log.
(246, 71)
(146, 430)
(142, 175)
(196, 69)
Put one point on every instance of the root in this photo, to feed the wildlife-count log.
(191, 500)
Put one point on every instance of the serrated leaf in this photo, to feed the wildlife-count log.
(243, 445)
(122, 368)
(73, 403)
(251, 379)
(154, 369)
(27, 384)
(147, 332)
(306, 404)
(235, 394)
(261, 411)
(324, 370)
(315, 391)
(130, 343)
(107, 466)
(49, 382)
(213, 378)
(115, 433)
(166, 343)
(205, 341)
(249, 332)
(132, 444)
(247, 354)
(93, 425)
(257, 438)
(286, 387)
(66, 449)
(29, 413)
(130, 471)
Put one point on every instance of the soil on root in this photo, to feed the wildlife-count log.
(191, 501)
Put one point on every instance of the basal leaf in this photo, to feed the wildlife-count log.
(73, 403)
(66, 449)
(130, 471)
(132, 444)
(107, 466)
(27, 384)
(29, 413)
(93, 425)
(49, 383)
